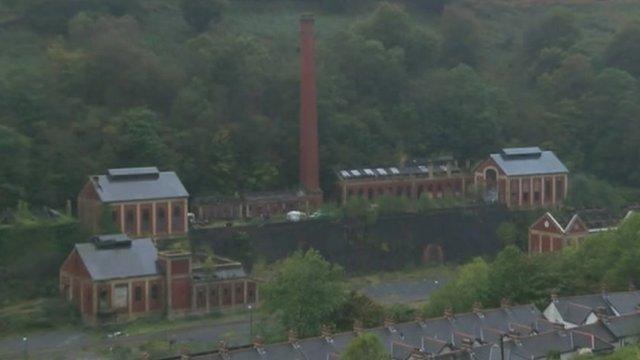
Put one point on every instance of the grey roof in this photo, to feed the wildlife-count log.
(134, 184)
(434, 337)
(598, 329)
(624, 326)
(626, 302)
(139, 259)
(528, 161)
(576, 309)
(419, 168)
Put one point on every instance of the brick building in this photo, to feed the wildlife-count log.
(114, 279)
(523, 178)
(434, 178)
(553, 232)
(255, 204)
(142, 202)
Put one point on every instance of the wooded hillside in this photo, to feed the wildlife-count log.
(210, 87)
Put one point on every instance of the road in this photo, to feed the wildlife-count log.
(75, 344)
(403, 292)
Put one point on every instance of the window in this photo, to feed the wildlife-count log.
(114, 216)
(137, 294)
(130, 216)
(177, 211)
(146, 220)
(155, 291)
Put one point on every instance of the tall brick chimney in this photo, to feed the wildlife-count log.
(309, 177)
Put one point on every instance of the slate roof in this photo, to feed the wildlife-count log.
(576, 309)
(138, 259)
(528, 161)
(624, 326)
(625, 303)
(135, 184)
(400, 339)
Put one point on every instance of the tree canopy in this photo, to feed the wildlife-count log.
(365, 346)
(304, 292)
(209, 88)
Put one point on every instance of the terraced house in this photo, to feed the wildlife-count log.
(139, 201)
(519, 332)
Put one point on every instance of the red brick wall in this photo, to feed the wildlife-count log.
(162, 224)
(146, 213)
(214, 292)
(251, 292)
(552, 228)
(138, 305)
(180, 294)
(225, 292)
(180, 267)
(534, 243)
(87, 304)
(239, 292)
(89, 207)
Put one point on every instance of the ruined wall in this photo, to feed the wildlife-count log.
(390, 243)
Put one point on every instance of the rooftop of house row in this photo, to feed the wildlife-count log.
(526, 334)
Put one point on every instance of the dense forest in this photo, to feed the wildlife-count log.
(210, 87)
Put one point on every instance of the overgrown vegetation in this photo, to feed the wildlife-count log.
(32, 248)
(608, 259)
(209, 88)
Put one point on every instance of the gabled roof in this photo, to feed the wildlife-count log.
(576, 309)
(137, 259)
(528, 161)
(625, 303)
(134, 184)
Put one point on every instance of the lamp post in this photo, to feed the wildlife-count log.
(250, 307)
(25, 343)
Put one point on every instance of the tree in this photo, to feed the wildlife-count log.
(462, 39)
(392, 26)
(470, 285)
(623, 52)
(134, 139)
(507, 233)
(464, 113)
(14, 165)
(366, 346)
(199, 13)
(559, 30)
(306, 289)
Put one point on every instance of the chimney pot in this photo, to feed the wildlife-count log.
(505, 303)
(448, 312)
(358, 328)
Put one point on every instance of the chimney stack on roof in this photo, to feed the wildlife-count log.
(477, 308)
(223, 351)
(309, 162)
(632, 286)
(258, 344)
(358, 327)
(325, 333)
(554, 297)
(448, 312)
(505, 303)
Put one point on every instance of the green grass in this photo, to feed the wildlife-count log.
(414, 273)
(39, 314)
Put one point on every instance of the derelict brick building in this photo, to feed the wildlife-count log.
(141, 201)
(115, 279)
